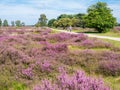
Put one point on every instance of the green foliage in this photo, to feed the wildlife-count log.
(80, 19)
(5, 23)
(42, 21)
(18, 23)
(51, 22)
(0, 22)
(65, 16)
(99, 17)
(65, 20)
(18, 86)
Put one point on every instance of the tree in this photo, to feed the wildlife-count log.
(12, 23)
(80, 19)
(65, 16)
(42, 20)
(18, 23)
(5, 23)
(0, 22)
(74, 21)
(99, 17)
(64, 22)
(51, 22)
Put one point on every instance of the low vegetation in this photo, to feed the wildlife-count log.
(40, 59)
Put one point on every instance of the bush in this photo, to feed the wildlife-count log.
(56, 48)
(109, 68)
(78, 81)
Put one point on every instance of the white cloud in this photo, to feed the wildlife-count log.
(29, 11)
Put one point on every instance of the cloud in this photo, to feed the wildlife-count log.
(29, 10)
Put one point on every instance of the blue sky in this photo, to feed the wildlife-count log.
(29, 11)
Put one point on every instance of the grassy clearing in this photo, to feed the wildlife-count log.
(92, 31)
(115, 43)
(111, 34)
(114, 82)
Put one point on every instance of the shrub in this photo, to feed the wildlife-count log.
(80, 37)
(61, 37)
(94, 43)
(56, 48)
(44, 66)
(78, 81)
(87, 43)
(27, 73)
(109, 68)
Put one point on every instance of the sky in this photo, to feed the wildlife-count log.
(29, 11)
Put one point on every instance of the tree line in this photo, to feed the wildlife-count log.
(99, 16)
(16, 23)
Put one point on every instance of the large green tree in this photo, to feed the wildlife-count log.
(100, 17)
(42, 20)
(5, 23)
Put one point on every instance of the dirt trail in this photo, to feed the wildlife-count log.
(92, 35)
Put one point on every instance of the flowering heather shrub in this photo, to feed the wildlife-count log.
(87, 43)
(3, 38)
(46, 31)
(109, 68)
(57, 48)
(109, 55)
(95, 43)
(38, 38)
(109, 63)
(61, 37)
(27, 73)
(16, 39)
(16, 56)
(78, 81)
(80, 37)
(33, 57)
(45, 66)
(101, 44)
(43, 31)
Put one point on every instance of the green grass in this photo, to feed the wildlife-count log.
(111, 34)
(54, 31)
(90, 31)
(114, 82)
(18, 86)
(114, 43)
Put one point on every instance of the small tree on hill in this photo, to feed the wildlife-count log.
(42, 20)
(99, 17)
(5, 23)
(18, 23)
